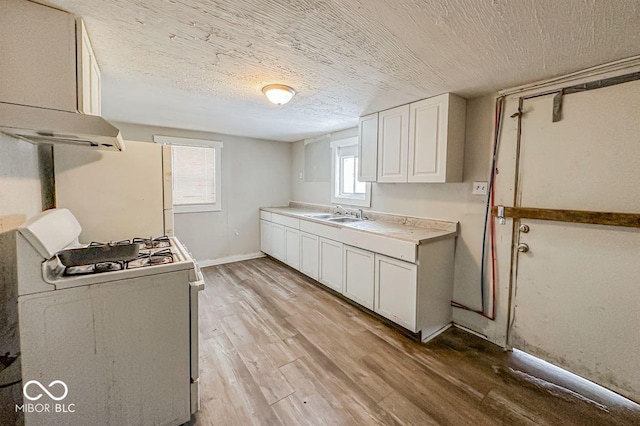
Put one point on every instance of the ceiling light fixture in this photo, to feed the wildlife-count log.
(278, 94)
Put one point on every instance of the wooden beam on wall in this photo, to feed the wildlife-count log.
(629, 220)
(11, 222)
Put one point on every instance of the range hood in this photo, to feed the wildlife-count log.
(42, 125)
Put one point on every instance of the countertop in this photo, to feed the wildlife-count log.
(410, 229)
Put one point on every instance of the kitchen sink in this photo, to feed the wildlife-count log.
(345, 219)
(321, 216)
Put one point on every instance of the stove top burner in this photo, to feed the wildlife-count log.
(95, 269)
(160, 257)
(151, 243)
(153, 251)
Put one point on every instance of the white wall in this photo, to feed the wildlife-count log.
(255, 173)
(451, 201)
(19, 177)
(19, 195)
(90, 184)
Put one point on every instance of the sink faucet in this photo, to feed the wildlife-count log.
(360, 214)
(338, 208)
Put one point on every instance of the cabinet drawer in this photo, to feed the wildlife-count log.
(285, 220)
(265, 215)
(326, 231)
(389, 246)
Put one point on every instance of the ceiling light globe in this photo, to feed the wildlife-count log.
(278, 94)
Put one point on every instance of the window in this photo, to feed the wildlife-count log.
(346, 188)
(195, 170)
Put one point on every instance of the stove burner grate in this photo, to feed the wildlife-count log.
(159, 257)
(147, 257)
(94, 269)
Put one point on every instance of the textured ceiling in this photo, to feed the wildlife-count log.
(200, 64)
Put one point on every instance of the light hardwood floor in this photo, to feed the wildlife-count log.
(275, 348)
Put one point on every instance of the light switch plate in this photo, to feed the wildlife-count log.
(480, 188)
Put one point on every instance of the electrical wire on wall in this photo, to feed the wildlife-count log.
(489, 222)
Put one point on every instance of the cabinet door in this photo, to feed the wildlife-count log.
(396, 291)
(292, 247)
(38, 56)
(309, 258)
(436, 139)
(96, 88)
(428, 140)
(330, 273)
(278, 247)
(368, 148)
(358, 275)
(266, 242)
(89, 80)
(393, 144)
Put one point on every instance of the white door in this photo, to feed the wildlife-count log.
(358, 275)
(330, 273)
(577, 292)
(428, 140)
(368, 148)
(278, 247)
(393, 144)
(265, 237)
(309, 258)
(396, 291)
(292, 247)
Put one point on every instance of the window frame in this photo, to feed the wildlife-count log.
(217, 176)
(337, 196)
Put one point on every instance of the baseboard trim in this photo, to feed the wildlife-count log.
(230, 259)
(475, 333)
(437, 332)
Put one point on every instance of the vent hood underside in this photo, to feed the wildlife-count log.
(41, 125)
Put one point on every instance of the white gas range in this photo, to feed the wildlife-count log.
(120, 334)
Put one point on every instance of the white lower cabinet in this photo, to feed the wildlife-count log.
(359, 275)
(396, 284)
(309, 258)
(330, 267)
(370, 270)
(266, 238)
(278, 247)
(292, 247)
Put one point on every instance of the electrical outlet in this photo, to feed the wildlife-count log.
(480, 188)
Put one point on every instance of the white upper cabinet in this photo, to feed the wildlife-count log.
(436, 139)
(38, 65)
(418, 142)
(89, 80)
(368, 148)
(393, 144)
(47, 59)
